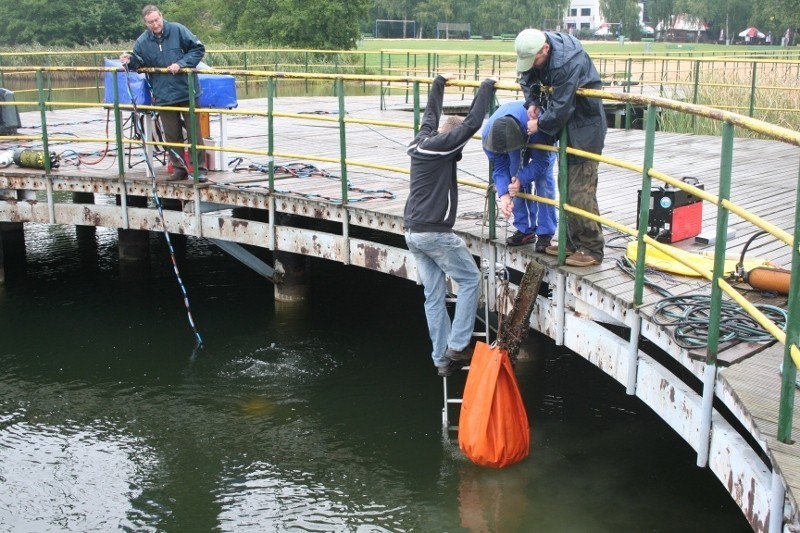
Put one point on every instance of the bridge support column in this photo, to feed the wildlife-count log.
(133, 247)
(12, 248)
(84, 233)
(291, 277)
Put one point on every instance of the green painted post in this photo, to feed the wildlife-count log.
(97, 78)
(726, 165)
(416, 107)
(342, 138)
(644, 202)
(408, 68)
(364, 71)
(43, 112)
(562, 196)
(753, 89)
(270, 132)
(246, 78)
(192, 128)
(118, 128)
(696, 91)
(789, 374)
(491, 196)
(305, 60)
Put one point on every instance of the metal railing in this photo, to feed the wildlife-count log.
(729, 123)
(751, 82)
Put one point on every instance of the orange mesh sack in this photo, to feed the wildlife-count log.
(493, 427)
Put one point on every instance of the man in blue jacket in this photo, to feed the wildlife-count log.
(518, 168)
(429, 216)
(172, 46)
(557, 62)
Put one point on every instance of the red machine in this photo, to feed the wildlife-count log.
(675, 214)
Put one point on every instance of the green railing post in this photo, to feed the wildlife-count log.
(305, 56)
(491, 197)
(753, 89)
(342, 138)
(246, 78)
(789, 373)
(118, 129)
(563, 171)
(416, 107)
(408, 68)
(696, 91)
(644, 203)
(43, 113)
(726, 166)
(192, 128)
(97, 77)
(271, 132)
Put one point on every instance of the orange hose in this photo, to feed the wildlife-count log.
(769, 279)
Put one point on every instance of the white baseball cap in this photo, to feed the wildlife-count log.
(527, 45)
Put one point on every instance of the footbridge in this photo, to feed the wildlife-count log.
(327, 177)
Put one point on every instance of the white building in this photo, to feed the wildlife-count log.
(585, 14)
(582, 14)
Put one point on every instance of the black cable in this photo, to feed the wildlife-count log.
(161, 214)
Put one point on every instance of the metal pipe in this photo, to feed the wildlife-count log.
(633, 356)
(776, 503)
(789, 374)
(712, 349)
(561, 290)
(644, 204)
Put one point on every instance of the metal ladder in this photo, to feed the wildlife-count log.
(448, 401)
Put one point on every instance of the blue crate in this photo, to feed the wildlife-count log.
(219, 90)
(138, 86)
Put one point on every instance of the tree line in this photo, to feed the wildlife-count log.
(338, 24)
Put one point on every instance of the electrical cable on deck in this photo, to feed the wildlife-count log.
(306, 170)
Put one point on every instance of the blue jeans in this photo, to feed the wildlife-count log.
(439, 255)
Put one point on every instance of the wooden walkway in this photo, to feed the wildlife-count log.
(765, 178)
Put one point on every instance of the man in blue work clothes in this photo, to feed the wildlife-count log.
(552, 67)
(518, 168)
(172, 46)
(429, 216)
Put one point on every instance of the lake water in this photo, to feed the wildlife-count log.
(324, 416)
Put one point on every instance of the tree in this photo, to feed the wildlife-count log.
(66, 24)
(323, 24)
(661, 12)
(624, 11)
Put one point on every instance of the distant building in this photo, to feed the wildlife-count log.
(586, 15)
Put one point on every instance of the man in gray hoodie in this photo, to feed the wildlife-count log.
(549, 61)
(429, 216)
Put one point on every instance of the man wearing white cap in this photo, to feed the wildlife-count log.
(558, 62)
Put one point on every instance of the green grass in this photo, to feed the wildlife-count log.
(593, 47)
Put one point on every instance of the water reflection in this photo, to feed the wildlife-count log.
(322, 417)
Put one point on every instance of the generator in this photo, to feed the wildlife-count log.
(675, 214)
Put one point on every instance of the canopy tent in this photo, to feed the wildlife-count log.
(752, 32)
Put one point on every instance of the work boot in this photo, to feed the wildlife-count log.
(178, 174)
(581, 259)
(519, 238)
(542, 243)
(459, 355)
(450, 368)
(553, 250)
